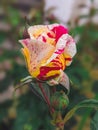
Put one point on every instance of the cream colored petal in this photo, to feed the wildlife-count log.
(64, 80)
(39, 52)
(70, 48)
(35, 31)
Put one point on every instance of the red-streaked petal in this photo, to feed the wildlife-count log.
(39, 53)
(47, 73)
(59, 31)
(42, 33)
(52, 69)
(61, 79)
(60, 46)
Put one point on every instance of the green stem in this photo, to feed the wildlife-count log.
(59, 128)
(84, 118)
(46, 98)
(58, 121)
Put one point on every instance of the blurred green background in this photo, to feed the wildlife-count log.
(27, 111)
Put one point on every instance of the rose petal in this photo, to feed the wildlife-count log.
(61, 79)
(42, 33)
(60, 46)
(39, 52)
(70, 48)
(24, 42)
(36, 31)
(64, 80)
(59, 30)
(52, 69)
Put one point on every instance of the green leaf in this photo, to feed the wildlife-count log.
(93, 103)
(30, 114)
(37, 91)
(90, 103)
(94, 122)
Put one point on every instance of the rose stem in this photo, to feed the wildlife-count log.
(45, 96)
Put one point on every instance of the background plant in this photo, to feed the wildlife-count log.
(28, 112)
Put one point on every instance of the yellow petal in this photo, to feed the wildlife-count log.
(37, 30)
(36, 53)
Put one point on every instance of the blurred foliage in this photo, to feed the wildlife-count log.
(28, 112)
(94, 122)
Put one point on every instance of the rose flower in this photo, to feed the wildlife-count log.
(48, 51)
